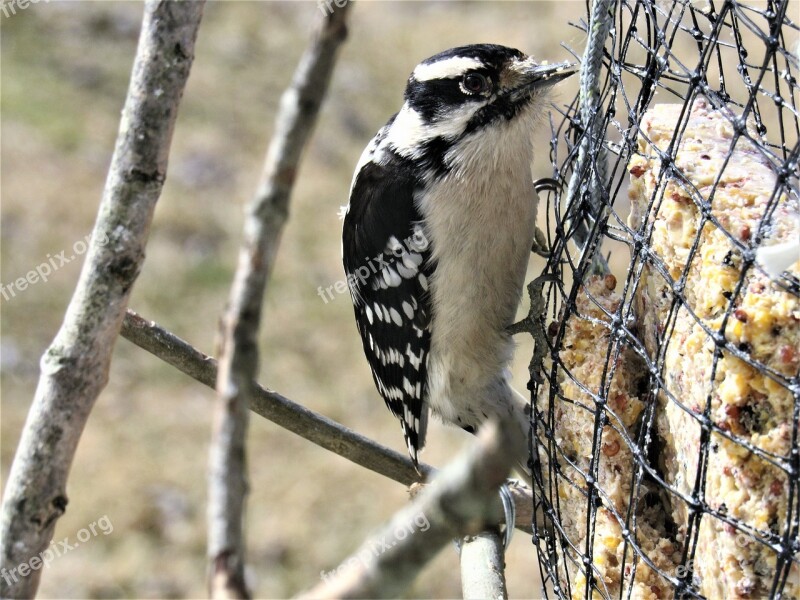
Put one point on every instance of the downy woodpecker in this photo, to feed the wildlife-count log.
(437, 236)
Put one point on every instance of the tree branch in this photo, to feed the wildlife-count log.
(238, 368)
(74, 369)
(310, 425)
(483, 567)
(462, 500)
(306, 423)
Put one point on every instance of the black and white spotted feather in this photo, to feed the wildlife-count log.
(387, 261)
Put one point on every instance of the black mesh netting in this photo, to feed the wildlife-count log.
(665, 382)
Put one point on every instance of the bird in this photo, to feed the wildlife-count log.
(437, 236)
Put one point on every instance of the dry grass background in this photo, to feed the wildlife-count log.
(142, 459)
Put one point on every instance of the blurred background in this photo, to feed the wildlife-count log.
(141, 463)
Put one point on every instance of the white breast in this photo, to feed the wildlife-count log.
(486, 210)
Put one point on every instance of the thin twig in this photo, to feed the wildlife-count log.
(310, 425)
(271, 405)
(296, 418)
(483, 567)
(462, 500)
(238, 368)
(74, 369)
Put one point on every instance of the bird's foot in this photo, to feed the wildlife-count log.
(509, 511)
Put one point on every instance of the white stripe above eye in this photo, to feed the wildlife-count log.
(446, 69)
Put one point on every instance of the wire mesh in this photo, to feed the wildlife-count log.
(666, 402)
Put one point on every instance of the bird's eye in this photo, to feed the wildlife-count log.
(475, 83)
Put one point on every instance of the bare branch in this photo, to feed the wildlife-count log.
(280, 410)
(483, 567)
(266, 215)
(462, 500)
(521, 494)
(298, 419)
(74, 369)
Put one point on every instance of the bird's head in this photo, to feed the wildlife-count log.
(467, 91)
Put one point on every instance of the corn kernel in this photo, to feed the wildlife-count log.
(732, 388)
(762, 318)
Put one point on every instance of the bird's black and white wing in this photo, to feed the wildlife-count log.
(387, 261)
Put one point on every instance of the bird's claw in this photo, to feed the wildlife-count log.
(547, 184)
(539, 245)
(509, 510)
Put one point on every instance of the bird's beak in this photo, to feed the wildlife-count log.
(523, 77)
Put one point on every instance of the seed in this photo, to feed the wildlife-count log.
(788, 354)
(611, 449)
(744, 232)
